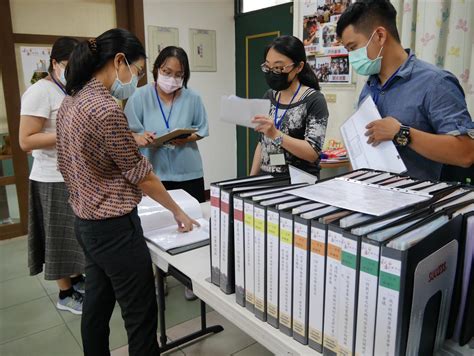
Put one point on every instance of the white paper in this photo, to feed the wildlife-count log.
(241, 111)
(299, 176)
(383, 157)
(169, 237)
(154, 216)
(364, 198)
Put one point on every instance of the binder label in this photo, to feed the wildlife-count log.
(272, 263)
(299, 279)
(224, 233)
(239, 245)
(249, 253)
(259, 246)
(286, 266)
(316, 284)
(333, 270)
(368, 280)
(346, 291)
(215, 230)
(387, 306)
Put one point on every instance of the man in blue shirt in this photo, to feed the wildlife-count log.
(423, 107)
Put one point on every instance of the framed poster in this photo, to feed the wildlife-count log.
(203, 57)
(35, 63)
(326, 55)
(158, 38)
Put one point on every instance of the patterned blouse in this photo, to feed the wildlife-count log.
(305, 119)
(97, 155)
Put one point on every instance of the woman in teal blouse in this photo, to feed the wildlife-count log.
(163, 106)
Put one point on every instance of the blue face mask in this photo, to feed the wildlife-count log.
(362, 64)
(122, 91)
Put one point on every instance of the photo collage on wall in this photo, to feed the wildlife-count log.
(326, 55)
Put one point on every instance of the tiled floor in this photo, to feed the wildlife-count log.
(30, 324)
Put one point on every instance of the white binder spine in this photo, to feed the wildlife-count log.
(224, 233)
(387, 306)
(272, 263)
(300, 274)
(286, 263)
(259, 246)
(333, 269)
(215, 232)
(316, 284)
(239, 244)
(346, 292)
(249, 254)
(368, 284)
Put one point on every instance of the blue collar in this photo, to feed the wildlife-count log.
(404, 71)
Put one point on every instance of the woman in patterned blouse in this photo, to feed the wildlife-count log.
(294, 131)
(106, 175)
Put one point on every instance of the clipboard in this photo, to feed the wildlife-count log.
(174, 134)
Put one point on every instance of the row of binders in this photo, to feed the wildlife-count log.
(343, 281)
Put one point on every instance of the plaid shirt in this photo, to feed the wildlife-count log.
(97, 155)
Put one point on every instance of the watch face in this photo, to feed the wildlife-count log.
(402, 141)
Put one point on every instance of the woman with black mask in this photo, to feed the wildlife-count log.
(294, 131)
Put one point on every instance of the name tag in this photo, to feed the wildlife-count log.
(277, 159)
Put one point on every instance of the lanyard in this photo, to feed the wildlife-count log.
(59, 85)
(279, 122)
(165, 119)
(376, 92)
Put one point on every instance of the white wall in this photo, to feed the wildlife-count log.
(219, 150)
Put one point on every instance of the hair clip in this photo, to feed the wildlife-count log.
(92, 45)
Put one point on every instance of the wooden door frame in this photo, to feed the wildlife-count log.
(129, 15)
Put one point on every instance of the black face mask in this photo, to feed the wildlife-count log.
(277, 82)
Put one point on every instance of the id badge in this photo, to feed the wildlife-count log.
(169, 146)
(277, 159)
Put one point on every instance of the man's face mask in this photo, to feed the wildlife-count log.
(362, 64)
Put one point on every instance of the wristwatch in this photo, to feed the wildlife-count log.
(277, 141)
(402, 138)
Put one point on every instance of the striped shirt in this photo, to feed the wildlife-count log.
(97, 155)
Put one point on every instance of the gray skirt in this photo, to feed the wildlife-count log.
(51, 238)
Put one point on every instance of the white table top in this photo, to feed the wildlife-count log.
(196, 265)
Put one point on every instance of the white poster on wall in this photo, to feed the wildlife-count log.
(158, 38)
(35, 63)
(202, 51)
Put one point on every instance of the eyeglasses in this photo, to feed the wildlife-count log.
(168, 73)
(275, 70)
(140, 73)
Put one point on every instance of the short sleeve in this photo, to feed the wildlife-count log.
(200, 118)
(316, 121)
(36, 102)
(122, 148)
(134, 112)
(446, 108)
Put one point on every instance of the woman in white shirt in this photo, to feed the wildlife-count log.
(51, 238)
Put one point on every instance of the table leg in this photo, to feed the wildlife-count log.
(164, 345)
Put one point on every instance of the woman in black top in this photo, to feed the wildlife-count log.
(294, 131)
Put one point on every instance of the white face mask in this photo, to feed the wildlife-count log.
(169, 84)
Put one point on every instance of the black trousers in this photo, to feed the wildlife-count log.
(195, 187)
(118, 267)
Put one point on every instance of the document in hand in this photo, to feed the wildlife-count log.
(161, 229)
(240, 111)
(174, 134)
(383, 157)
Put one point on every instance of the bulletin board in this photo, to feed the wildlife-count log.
(315, 25)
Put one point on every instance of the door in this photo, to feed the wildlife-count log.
(253, 32)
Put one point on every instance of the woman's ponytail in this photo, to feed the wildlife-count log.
(90, 56)
(81, 67)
